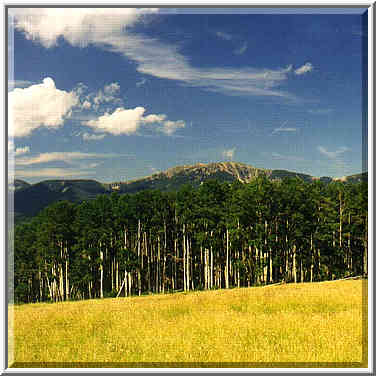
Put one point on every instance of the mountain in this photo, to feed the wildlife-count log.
(18, 184)
(175, 177)
(29, 199)
(357, 178)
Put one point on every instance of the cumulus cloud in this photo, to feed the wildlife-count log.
(169, 127)
(154, 118)
(128, 121)
(79, 26)
(121, 121)
(307, 67)
(36, 106)
(229, 153)
(111, 30)
(333, 154)
(107, 95)
(92, 137)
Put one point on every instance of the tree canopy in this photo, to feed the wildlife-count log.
(218, 235)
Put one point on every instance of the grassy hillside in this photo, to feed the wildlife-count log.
(319, 324)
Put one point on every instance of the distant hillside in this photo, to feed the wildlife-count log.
(357, 178)
(18, 184)
(30, 199)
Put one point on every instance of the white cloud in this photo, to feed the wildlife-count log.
(68, 157)
(121, 121)
(86, 105)
(241, 49)
(284, 130)
(109, 29)
(79, 26)
(223, 35)
(112, 88)
(23, 150)
(128, 121)
(80, 89)
(51, 172)
(141, 83)
(169, 127)
(107, 95)
(37, 106)
(18, 83)
(163, 61)
(278, 156)
(229, 153)
(320, 111)
(92, 137)
(307, 67)
(333, 154)
(154, 118)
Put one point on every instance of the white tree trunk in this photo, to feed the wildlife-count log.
(227, 284)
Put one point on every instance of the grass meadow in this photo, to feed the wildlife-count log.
(301, 325)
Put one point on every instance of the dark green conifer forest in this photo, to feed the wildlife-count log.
(219, 235)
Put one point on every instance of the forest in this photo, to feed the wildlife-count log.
(219, 235)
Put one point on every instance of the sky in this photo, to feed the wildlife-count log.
(118, 94)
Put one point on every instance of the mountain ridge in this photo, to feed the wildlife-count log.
(29, 199)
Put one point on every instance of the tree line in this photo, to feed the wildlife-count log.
(219, 235)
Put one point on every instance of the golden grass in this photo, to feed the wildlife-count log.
(293, 323)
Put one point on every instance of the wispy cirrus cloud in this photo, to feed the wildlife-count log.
(67, 157)
(81, 27)
(332, 154)
(229, 153)
(307, 67)
(320, 111)
(235, 40)
(141, 82)
(52, 173)
(23, 150)
(224, 35)
(283, 128)
(164, 61)
(277, 130)
(284, 157)
(92, 137)
(18, 84)
(241, 49)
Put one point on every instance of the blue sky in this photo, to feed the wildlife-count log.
(118, 94)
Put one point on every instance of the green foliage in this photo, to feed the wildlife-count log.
(152, 241)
